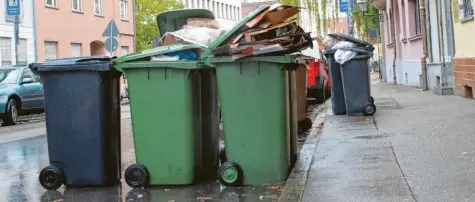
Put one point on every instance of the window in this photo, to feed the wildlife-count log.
(50, 3)
(465, 10)
(125, 50)
(6, 50)
(123, 9)
(214, 7)
(77, 5)
(51, 48)
(98, 7)
(22, 52)
(417, 14)
(28, 74)
(76, 50)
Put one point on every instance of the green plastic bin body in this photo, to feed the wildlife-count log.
(174, 109)
(259, 119)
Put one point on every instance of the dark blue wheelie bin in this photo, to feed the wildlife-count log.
(337, 94)
(82, 110)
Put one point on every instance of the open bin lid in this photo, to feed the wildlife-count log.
(91, 63)
(208, 53)
(174, 20)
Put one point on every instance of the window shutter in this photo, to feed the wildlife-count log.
(6, 50)
(50, 50)
(75, 50)
(22, 52)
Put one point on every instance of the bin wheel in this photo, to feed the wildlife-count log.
(371, 99)
(230, 174)
(369, 109)
(136, 176)
(305, 125)
(51, 178)
(222, 154)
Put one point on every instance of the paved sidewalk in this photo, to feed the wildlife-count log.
(418, 147)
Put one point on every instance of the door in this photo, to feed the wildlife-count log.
(31, 90)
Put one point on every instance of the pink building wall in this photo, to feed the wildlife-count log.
(64, 26)
(399, 22)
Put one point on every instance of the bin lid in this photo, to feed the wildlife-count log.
(350, 39)
(171, 21)
(160, 50)
(91, 63)
(208, 53)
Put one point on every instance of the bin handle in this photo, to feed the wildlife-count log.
(103, 59)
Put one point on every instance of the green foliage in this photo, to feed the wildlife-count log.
(366, 21)
(146, 12)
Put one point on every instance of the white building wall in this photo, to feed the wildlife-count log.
(226, 12)
(26, 29)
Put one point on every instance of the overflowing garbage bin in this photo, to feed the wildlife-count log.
(175, 137)
(258, 99)
(349, 72)
(82, 112)
(356, 86)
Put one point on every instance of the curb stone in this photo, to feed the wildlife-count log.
(295, 184)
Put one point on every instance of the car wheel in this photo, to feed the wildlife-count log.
(11, 115)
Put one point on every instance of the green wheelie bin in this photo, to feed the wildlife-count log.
(258, 111)
(174, 109)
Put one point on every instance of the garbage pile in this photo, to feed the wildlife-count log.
(198, 31)
(346, 47)
(272, 32)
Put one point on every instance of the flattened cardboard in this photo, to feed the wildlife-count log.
(277, 17)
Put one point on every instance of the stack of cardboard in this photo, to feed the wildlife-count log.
(273, 32)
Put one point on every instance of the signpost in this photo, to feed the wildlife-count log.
(349, 13)
(13, 9)
(111, 42)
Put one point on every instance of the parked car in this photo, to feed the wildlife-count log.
(20, 91)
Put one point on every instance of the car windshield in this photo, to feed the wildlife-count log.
(9, 76)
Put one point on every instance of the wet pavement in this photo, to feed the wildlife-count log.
(23, 157)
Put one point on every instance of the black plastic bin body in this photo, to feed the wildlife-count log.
(337, 93)
(356, 84)
(82, 109)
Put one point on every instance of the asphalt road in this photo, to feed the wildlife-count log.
(24, 152)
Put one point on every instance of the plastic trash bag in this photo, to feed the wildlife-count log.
(201, 36)
(329, 42)
(342, 56)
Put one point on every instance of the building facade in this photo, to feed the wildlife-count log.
(464, 59)
(75, 27)
(440, 40)
(26, 42)
(226, 12)
(402, 41)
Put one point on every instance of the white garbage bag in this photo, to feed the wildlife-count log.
(343, 56)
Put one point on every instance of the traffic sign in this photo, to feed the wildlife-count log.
(13, 7)
(343, 6)
(111, 44)
(111, 30)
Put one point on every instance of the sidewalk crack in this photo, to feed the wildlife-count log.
(375, 124)
(402, 173)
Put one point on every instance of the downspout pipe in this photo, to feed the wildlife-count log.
(424, 44)
(393, 26)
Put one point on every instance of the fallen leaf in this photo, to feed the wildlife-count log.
(171, 201)
(278, 187)
(204, 198)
